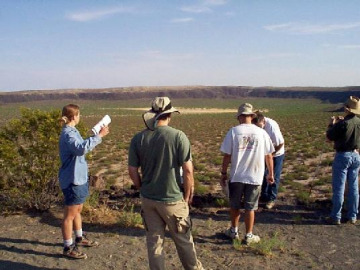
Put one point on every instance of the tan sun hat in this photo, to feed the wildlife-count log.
(159, 106)
(245, 109)
(353, 105)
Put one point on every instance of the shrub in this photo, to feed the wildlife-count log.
(199, 188)
(265, 247)
(323, 180)
(29, 160)
(326, 162)
(130, 219)
(303, 197)
(221, 202)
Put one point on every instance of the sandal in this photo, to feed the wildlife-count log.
(74, 253)
(85, 242)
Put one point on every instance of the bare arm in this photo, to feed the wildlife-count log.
(270, 166)
(188, 175)
(225, 165)
(135, 176)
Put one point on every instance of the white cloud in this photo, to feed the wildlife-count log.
(303, 28)
(97, 14)
(196, 9)
(275, 27)
(344, 46)
(272, 56)
(350, 47)
(204, 6)
(215, 2)
(182, 20)
(326, 45)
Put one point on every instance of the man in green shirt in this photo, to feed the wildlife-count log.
(160, 151)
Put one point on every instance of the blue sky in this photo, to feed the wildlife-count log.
(53, 44)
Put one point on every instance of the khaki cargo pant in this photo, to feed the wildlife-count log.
(156, 216)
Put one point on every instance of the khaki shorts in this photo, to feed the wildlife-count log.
(251, 194)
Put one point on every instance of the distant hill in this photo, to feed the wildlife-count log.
(327, 94)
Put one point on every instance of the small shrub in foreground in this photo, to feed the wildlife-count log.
(130, 219)
(265, 247)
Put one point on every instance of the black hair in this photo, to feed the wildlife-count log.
(164, 116)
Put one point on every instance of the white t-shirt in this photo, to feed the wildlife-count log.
(247, 144)
(272, 128)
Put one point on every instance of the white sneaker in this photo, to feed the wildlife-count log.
(251, 239)
(231, 234)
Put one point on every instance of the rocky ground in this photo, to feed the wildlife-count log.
(293, 237)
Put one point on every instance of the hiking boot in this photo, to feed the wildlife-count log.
(231, 234)
(85, 242)
(73, 252)
(251, 239)
(270, 204)
(331, 221)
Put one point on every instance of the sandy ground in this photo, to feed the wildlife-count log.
(190, 110)
(33, 241)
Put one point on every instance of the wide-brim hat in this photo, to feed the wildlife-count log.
(159, 106)
(353, 105)
(245, 109)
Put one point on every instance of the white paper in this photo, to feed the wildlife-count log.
(105, 121)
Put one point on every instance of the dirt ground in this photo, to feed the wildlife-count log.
(191, 110)
(33, 241)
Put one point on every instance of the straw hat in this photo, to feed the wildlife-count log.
(159, 106)
(353, 105)
(245, 109)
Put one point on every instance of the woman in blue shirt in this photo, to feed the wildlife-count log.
(73, 178)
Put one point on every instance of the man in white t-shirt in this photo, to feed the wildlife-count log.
(245, 147)
(269, 191)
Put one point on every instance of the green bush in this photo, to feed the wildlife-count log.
(29, 160)
(130, 219)
(303, 197)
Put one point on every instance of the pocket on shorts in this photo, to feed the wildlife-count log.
(183, 225)
(182, 219)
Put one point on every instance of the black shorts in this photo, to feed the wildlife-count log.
(251, 194)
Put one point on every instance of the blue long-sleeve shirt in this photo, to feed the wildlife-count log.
(73, 148)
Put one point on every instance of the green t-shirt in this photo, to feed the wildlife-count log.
(160, 154)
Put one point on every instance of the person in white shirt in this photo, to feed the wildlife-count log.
(269, 191)
(245, 146)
